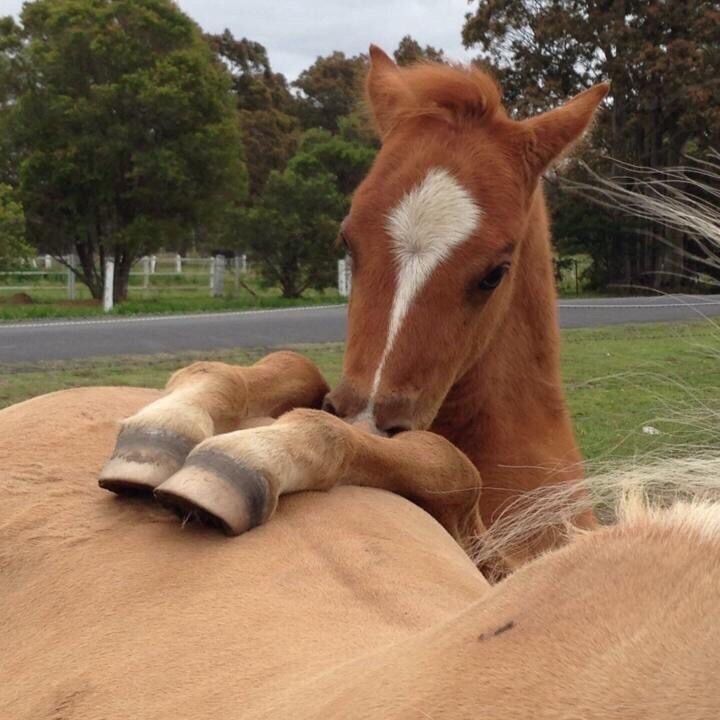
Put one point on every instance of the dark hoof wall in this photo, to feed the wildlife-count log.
(218, 491)
(143, 459)
(126, 487)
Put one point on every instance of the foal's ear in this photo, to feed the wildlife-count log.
(386, 91)
(553, 133)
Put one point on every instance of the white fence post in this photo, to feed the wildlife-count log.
(178, 263)
(237, 263)
(218, 276)
(146, 272)
(48, 262)
(212, 275)
(344, 276)
(71, 277)
(342, 290)
(243, 259)
(109, 285)
(153, 264)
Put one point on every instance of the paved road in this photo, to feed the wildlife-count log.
(63, 340)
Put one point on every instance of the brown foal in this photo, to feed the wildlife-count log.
(452, 369)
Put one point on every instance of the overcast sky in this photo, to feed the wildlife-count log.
(296, 32)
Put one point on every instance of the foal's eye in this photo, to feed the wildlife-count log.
(494, 277)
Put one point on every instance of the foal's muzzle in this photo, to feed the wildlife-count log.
(385, 416)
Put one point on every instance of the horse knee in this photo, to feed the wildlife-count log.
(219, 389)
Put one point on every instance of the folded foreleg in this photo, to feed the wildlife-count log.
(235, 480)
(201, 401)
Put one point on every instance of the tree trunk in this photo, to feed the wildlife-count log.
(290, 291)
(123, 265)
(88, 272)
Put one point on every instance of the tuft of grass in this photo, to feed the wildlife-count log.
(619, 380)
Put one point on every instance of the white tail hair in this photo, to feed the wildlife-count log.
(624, 494)
(684, 198)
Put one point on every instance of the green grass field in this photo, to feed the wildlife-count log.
(618, 380)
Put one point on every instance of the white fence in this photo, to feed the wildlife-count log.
(66, 279)
(56, 275)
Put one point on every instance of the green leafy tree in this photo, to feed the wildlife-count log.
(270, 138)
(347, 161)
(291, 229)
(13, 248)
(661, 57)
(331, 88)
(292, 226)
(357, 127)
(11, 70)
(124, 127)
(581, 227)
(267, 109)
(410, 51)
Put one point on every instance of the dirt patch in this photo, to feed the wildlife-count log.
(20, 298)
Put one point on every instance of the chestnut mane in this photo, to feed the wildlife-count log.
(451, 92)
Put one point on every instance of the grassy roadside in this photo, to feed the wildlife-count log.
(619, 380)
(49, 307)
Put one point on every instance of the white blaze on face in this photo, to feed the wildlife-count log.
(424, 227)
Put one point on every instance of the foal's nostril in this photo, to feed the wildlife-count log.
(328, 406)
(395, 414)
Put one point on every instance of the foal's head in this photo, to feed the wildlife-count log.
(433, 232)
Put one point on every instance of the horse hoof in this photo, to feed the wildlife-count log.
(220, 491)
(143, 459)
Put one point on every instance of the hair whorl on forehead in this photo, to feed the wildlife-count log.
(454, 93)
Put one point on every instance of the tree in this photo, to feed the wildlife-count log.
(256, 85)
(13, 248)
(583, 227)
(291, 229)
(266, 107)
(124, 126)
(410, 51)
(331, 88)
(661, 57)
(347, 161)
(358, 128)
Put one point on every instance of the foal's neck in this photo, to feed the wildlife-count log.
(508, 413)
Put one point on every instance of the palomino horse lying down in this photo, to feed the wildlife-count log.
(350, 604)
(452, 329)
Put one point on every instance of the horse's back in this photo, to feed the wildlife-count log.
(113, 611)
